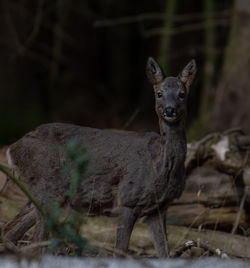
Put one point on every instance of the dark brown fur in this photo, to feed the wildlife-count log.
(132, 174)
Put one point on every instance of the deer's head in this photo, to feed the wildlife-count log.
(170, 92)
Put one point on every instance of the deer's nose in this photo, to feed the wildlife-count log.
(169, 112)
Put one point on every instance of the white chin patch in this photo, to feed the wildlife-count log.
(170, 119)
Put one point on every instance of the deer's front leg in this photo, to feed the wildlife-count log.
(157, 228)
(126, 221)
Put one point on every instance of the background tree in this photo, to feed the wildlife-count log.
(83, 62)
(232, 98)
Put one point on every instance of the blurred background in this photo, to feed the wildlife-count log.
(83, 62)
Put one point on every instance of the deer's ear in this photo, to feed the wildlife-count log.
(154, 72)
(187, 75)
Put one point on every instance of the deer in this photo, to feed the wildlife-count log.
(134, 174)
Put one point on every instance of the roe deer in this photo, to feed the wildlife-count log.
(134, 174)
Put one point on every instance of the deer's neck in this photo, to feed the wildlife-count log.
(172, 145)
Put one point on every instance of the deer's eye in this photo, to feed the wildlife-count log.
(182, 95)
(159, 94)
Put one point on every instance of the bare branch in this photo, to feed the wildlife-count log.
(158, 17)
(37, 23)
(183, 29)
(242, 202)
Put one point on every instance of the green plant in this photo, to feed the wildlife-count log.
(65, 228)
(76, 165)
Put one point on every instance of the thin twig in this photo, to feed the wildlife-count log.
(7, 172)
(190, 226)
(34, 246)
(22, 46)
(48, 25)
(36, 24)
(237, 220)
(183, 29)
(131, 118)
(120, 253)
(11, 26)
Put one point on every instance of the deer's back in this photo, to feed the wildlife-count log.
(121, 165)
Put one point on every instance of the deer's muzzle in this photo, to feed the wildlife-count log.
(169, 112)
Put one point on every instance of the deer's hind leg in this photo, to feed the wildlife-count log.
(15, 229)
(40, 233)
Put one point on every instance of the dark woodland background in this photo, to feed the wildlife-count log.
(83, 62)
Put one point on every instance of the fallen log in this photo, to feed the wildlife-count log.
(197, 215)
(210, 199)
(205, 185)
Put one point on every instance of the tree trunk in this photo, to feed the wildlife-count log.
(165, 45)
(232, 98)
(200, 126)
